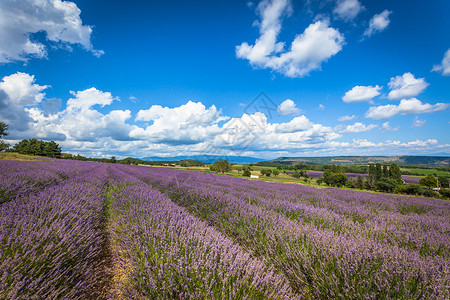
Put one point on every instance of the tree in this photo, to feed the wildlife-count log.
(246, 172)
(113, 159)
(3, 132)
(339, 180)
(221, 166)
(386, 185)
(359, 182)
(263, 172)
(371, 178)
(443, 182)
(385, 171)
(268, 172)
(428, 181)
(395, 173)
(378, 172)
(328, 177)
(38, 147)
(276, 172)
(52, 149)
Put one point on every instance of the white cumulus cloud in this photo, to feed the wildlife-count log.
(189, 123)
(357, 127)
(444, 66)
(406, 107)
(418, 123)
(18, 91)
(361, 93)
(59, 20)
(378, 23)
(347, 10)
(288, 107)
(300, 123)
(387, 127)
(306, 53)
(346, 118)
(406, 86)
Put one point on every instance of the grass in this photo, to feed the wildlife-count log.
(427, 172)
(17, 156)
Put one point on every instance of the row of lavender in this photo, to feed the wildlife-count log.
(20, 179)
(51, 237)
(329, 242)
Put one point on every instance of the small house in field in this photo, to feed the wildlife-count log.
(254, 176)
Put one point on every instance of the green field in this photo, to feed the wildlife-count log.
(427, 172)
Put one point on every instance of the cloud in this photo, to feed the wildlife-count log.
(347, 10)
(254, 133)
(18, 91)
(361, 93)
(288, 108)
(22, 90)
(406, 107)
(357, 127)
(190, 123)
(300, 123)
(418, 123)
(387, 127)
(406, 86)
(346, 118)
(307, 52)
(59, 20)
(88, 98)
(444, 67)
(378, 23)
(191, 128)
(321, 107)
(29, 114)
(414, 145)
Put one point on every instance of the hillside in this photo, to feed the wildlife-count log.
(351, 160)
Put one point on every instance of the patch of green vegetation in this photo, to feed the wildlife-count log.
(424, 172)
(17, 156)
(411, 208)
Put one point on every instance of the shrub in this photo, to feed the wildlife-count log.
(445, 193)
(386, 185)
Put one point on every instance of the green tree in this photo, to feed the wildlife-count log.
(359, 182)
(385, 171)
(386, 185)
(246, 172)
(3, 132)
(395, 173)
(221, 166)
(443, 182)
(113, 159)
(38, 147)
(378, 172)
(276, 172)
(328, 177)
(52, 149)
(263, 172)
(339, 180)
(371, 177)
(428, 181)
(268, 172)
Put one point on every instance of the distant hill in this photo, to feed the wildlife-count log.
(206, 158)
(351, 160)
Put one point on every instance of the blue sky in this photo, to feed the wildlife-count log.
(261, 78)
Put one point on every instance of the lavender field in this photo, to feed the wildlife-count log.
(85, 230)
